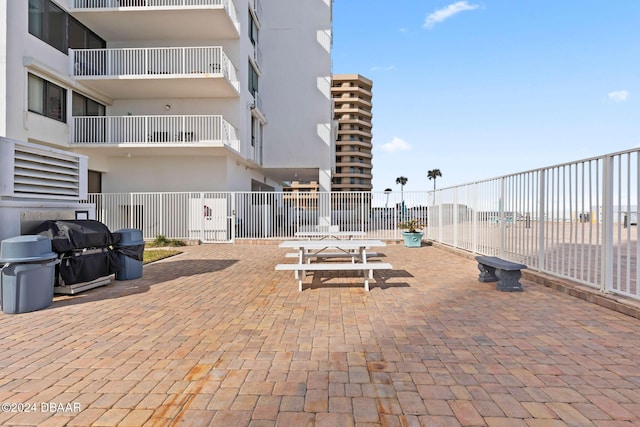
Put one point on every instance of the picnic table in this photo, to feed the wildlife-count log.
(330, 234)
(355, 249)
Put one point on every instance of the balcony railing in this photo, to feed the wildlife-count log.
(161, 61)
(110, 4)
(154, 130)
(117, 20)
(114, 4)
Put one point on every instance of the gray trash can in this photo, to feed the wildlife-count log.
(130, 250)
(27, 273)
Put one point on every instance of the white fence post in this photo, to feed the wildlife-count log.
(501, 218)
(474, 223)
(607, 224)
(131, 214)
(541, 219)
(455, 217)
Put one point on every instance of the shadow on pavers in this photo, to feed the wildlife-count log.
(153, 274)
(329, 279)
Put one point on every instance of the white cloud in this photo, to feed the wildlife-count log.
(618, 95)
(396, 144)
(404, 30)
(379, 68)
(447, 12)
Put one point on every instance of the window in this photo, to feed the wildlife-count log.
(83, 106)
(253, 30)
(88, 130)
(47, 99)
(254, 125)
(253, 79)
(94, 181)
(36, 18)
(80, 37)
(54, 26)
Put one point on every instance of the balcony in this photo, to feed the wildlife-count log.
(354, 133)
(194, 72)
(346, 119)
(344, 108)
(352, 89)
(135, 20)
(343, 151)
(366, 175)
(358, 163)
(354, 100)
(163, 131)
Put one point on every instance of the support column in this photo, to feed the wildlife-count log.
(324, 197)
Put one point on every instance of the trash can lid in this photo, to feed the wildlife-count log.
(26, 249)
(129, 237)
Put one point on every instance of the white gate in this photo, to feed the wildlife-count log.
(211, 217)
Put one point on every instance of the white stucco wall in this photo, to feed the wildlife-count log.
(41, 60)
(165, 174)
(18, 217)
(181, 173)
(297, 112)
(3, 70)
(295, 86)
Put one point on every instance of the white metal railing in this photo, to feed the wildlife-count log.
(188, 130)
(228, 5)
(110, 4)
(575, 220)
(152, 61)
(258, 215)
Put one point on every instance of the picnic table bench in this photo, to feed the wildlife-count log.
(354, 249)
(366, 268)
(506, 273)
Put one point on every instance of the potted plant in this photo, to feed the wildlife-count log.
(413, 232)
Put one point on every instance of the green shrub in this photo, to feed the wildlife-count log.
(162, 241)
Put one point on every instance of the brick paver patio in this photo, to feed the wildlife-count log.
(215, 336)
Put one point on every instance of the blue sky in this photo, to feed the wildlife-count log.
(483, 89)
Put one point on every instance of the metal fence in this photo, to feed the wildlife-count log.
(227, 216)
(151, 61)
(174, 130)
(576, 220)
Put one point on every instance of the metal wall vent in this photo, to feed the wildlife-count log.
(45, 174)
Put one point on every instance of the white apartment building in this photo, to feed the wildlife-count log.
(173, 95)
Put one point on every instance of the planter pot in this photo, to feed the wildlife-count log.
(412, 240)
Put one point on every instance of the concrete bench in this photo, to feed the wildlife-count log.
(506, 273)
(367, 268)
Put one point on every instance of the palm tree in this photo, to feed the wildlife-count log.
(402, 181)
(433, 174)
